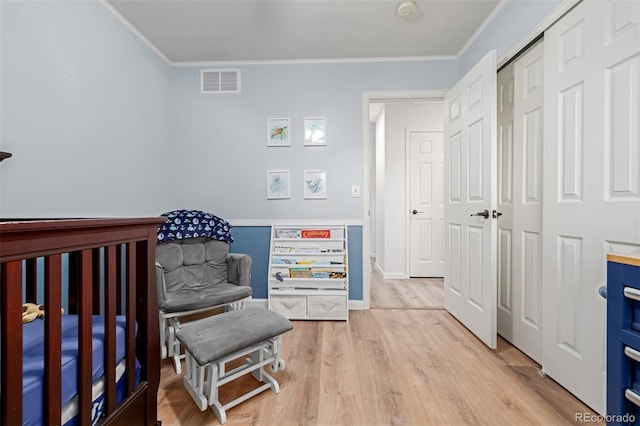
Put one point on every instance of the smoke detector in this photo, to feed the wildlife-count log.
(406, 9)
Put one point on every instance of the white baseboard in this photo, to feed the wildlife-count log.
(394, 276)
(390, 275)
(357, 305)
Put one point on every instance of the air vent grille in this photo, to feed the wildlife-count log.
(225, 80)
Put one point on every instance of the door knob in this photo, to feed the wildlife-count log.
(496, 214)
(602, 290)
(484, 214)
(414, 211)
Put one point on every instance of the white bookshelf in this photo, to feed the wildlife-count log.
(308, 272)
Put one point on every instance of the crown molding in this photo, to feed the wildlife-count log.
(313, 61)
(133, 29)
(481, 28)
(557, 13)
(192, 64)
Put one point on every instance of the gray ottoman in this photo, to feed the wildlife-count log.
(212, 342)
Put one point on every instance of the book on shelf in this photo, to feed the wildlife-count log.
(281, 275)
(305, 249)
(288, 233)
(328, 273)
(300, 272)
(317, 272)
(316, 233)
(284, 249)
(303, 233)
(289, 261)
(313, 262)
(283, 261)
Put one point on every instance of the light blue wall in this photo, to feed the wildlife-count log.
(513, 21)
(222, 155)
(221, 148)
(100, 126)
(84, 110)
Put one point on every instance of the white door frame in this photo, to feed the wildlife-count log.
(367, 97)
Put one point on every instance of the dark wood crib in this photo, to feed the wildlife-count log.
(110, 264)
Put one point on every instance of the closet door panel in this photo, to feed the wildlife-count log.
(520, 226)
(591, 202)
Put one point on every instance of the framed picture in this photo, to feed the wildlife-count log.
(315, 184)
(278, 132)
(315, 131)
(278, 184)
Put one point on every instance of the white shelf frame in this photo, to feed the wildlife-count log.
(329, 293)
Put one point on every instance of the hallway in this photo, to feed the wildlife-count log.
(414, 293)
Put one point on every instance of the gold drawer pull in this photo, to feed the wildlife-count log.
(632, 396)
(632, 293)
(632, 353)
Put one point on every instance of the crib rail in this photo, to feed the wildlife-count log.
(101, 281)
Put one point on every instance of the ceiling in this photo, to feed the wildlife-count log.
(298, 30)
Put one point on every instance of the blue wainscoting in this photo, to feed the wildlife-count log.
(255, 241)
(252, 240)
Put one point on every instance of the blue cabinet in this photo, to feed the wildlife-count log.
(623, 340)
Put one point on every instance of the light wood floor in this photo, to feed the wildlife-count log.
(410, 366)
(416, 293)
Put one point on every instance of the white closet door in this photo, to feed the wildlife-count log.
(527, 207)
(520, 130)
(506, 308)
(592, 182)
(470, 187)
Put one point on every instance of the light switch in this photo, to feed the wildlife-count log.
(355, 191)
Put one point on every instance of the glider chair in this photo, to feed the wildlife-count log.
(196, 274)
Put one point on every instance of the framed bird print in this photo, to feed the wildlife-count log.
(278, 132)
(315, 184)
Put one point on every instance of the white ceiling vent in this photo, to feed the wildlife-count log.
(225, 80)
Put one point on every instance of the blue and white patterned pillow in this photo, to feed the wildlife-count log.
(183, 224)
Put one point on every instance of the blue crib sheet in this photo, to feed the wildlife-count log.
(33, 361)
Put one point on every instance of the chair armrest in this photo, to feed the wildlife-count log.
(160, 284)
(239, 267)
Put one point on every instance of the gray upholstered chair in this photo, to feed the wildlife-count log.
(197, 275)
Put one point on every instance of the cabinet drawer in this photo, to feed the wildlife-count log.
(328, 306)
(288, 305)
(632, 300)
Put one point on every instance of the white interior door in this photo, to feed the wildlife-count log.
(426, 164)
(470, 187)
(592, 184)
(520, 130)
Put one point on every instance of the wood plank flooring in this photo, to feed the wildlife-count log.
(416, 293)
(411, 366)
